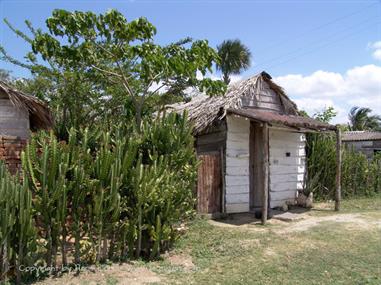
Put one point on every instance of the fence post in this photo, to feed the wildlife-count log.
(338, 170)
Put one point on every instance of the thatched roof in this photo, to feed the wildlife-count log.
(361, 136)
(39, 113)
(204, 110)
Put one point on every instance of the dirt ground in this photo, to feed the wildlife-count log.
(303, 222)
(123, 274)
(138, 273)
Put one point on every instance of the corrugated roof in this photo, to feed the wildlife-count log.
(291, 121)
(361, 136)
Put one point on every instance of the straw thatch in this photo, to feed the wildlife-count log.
(39, 113)
(204, 110)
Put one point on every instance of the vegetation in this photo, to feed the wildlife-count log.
(328, 252)
(235, 58)
(323, 248)
(361, 120)
(115, 179)
(103, 67)
(360, 176)
(101, 195)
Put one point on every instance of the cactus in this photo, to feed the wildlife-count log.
(17, 231)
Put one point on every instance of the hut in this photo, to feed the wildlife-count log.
(367, 142)
(251, 143)
(19, 115)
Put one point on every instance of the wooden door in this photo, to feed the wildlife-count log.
(256, 163)
(209, 183)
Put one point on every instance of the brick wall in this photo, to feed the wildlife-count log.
(10, 152)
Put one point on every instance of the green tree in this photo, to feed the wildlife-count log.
(326, 115)
(118, 59)
(360, 119)
(125, 54)
(235, 58)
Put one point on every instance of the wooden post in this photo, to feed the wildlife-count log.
(265, 171)
(338, 170)
(223, 189)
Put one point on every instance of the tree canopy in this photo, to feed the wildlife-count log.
(360, 119)
(118, 58)
(235, 58)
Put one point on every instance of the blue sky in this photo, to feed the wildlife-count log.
(317, 50)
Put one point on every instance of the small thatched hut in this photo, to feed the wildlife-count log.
(19, 115)
(251, 142)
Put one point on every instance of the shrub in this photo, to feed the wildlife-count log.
(360, 176)
(115, 194)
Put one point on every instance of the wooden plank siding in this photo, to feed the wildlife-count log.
(237, 165)
(209, 194)
(287, 165)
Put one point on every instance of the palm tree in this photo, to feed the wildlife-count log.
(235, 58)
(360, 119)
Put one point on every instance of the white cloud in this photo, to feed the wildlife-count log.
(376, 47)
(358, 86)
(233, 78)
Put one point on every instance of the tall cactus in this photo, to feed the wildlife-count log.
(47, 172)
(17, 231)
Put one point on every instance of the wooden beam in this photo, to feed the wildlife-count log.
(265, 171)
(338, 170)
(223, 182)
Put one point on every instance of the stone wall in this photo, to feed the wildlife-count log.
(10, 152)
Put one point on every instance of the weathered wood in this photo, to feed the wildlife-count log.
(265, 169)
(209, 183)
(257, 161)
(252, 165)
(237, 208)
(286, 172)
(237, 163)
(338, 170)
(223, 183)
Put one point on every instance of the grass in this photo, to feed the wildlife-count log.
(329, 253)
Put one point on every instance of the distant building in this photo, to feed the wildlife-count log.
(366, 142)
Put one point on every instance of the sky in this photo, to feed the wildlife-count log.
(324, 53)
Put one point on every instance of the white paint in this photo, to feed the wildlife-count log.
(286, 173)
(237, 165)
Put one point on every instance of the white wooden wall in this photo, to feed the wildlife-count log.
(13, 122)
(286, 173)
(237, 165)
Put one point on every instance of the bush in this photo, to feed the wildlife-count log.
(114, 194)
(360, 176)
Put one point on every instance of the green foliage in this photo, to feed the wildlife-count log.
(326, 115)
(116, 194)
(360, 120)
(235, 58)
(103, 67)
(17, 231)
(360, 176)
